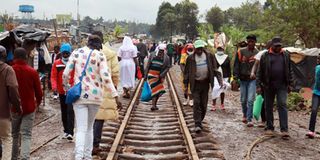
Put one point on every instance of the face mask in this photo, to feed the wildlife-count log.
(220, 53)
(190, 52)
(65, 60)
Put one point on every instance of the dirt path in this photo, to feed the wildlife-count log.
(48, 127)
(235, 138)
(226, 126)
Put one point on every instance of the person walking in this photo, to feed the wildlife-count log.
(153, 47)
(142, 54)
(95, 78)
(200, 71)
(224, 67)
(257, 58)
(31, 96)
(244, 61)
(315, 101)
(156, 71)
(9, 99)
(54, 56)
(275, 77)
(186, 51)
(108, 108)
(171, 52)
(128, 62)
(67, 113)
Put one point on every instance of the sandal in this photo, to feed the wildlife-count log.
(222, 107)
(311, 135)
(213, 108)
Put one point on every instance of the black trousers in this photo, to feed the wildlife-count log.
(315, 107)
(263, 110)
(67, 115)
(200, 101)
(281, 95)
(97, 132)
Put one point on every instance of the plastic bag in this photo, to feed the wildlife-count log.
(146, 92)
(139, 74)
(257, 107)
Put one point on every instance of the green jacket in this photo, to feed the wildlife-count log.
(191, 69)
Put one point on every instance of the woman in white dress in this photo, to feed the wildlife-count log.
(127, 54)
(223, 62)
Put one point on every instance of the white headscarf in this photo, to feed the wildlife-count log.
(161, 47)
(127, 44)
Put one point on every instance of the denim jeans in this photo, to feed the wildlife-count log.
(67, 115)
(6, 138)
(98, 126)
(22, 125)
(85, 116)
(315, 107)
(281, 94)
(247, 97)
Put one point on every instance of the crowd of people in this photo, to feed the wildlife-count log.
(100, 71)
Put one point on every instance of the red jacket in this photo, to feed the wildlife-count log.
(29, 86)
(56, 76)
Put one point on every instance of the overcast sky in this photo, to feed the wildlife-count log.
(133, 10)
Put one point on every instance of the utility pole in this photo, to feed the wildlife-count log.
(78, 28)
(78, 14)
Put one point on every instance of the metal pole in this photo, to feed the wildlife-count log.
(78, 28)
(78, 16)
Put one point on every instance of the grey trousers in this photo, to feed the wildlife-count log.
(200, 101)
(22, 125)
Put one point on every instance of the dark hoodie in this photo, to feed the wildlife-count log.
(9, 94)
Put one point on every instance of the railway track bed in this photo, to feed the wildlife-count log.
(165, 134)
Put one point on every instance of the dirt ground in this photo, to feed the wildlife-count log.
(226, 126)
(235, 138)
(50, 130)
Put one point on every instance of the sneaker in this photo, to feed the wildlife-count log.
(311, 135)
(69, 137)
(65, 136)
(55, 97)
(213, 108)
(285, 135)
(250, 124)
(244, 120)
(191, 103)
(198, 129)
(222, 107)
(185, 103)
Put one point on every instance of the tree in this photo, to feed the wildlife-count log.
(205, 31)
(118, 30)
(188, 17)
(163, 26)
(248, 16)
(215, 17)
(294, 19)
(169, 20)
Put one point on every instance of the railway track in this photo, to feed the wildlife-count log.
(165, 134)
